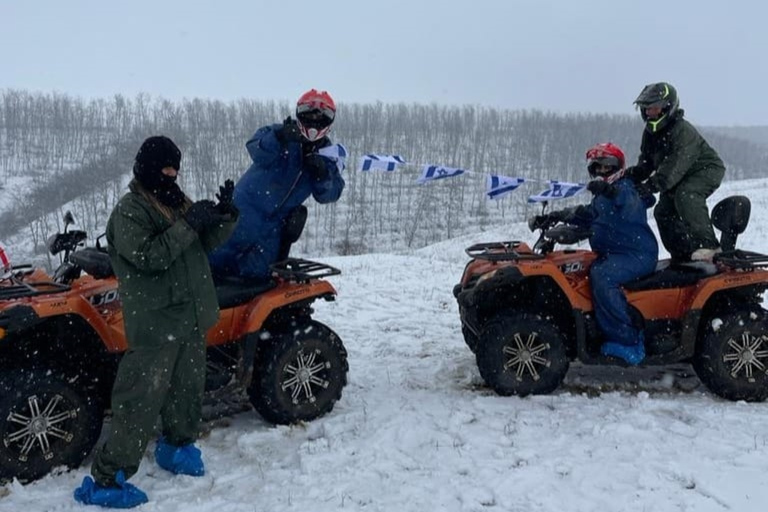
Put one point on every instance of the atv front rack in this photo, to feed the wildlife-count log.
(300, 270)
(500, 251)
(16, 289)
(739, 259)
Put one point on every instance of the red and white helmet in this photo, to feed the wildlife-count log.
(315, 112)
(5, 265)
(604, 154)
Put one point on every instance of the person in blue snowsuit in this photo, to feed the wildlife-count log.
(625, 245)
(286, 170)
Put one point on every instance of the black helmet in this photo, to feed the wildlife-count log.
(661, 95)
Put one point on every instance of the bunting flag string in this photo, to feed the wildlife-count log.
(497, 185)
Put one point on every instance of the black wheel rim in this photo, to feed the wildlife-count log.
(305, 376)
(526, 356)
(746, 356)
(36, 427)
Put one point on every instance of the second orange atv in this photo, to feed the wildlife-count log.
(527, 312)
(61, 337)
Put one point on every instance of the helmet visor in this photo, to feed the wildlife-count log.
(651, 104)
(315, 111)
(606, 164)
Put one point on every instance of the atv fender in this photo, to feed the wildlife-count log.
(503, 277)
(281, 296)
(16, 319)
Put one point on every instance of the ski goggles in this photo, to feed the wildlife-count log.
(603, 161)
(316, 109)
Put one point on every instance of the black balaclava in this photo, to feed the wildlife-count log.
(157, 153)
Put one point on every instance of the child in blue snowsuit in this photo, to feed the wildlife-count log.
(625, 245)
(286, 170)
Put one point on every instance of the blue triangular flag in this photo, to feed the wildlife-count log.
(437, 172)
(497, 186)
(557, 190)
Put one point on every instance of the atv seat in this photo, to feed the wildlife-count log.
(234, 291)
(675, 276)
(730, 216)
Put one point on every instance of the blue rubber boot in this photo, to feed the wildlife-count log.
(631, 354)
(123, 495)
(180, 460)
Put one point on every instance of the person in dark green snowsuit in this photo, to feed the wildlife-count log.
(682, 167)
(158, 243)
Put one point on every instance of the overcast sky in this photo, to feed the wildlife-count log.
(561, 55)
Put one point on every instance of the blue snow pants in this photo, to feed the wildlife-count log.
(607, 274)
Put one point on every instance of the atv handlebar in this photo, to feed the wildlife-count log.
(563, 234)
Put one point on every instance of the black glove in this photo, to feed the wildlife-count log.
(638, 174)
(602, 187)
(547, 220)
(316, 166)
(289, 132)
(647, 188)
(538, 222)
(226, 205)
(202, 214)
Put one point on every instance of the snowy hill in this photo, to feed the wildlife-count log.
(416, 430)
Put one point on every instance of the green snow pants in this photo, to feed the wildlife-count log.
(155, 377)
(682, 215)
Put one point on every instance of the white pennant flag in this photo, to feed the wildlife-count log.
(557, 190)
(498, 186)
(337, 153)
(381, 162)
(437, 172)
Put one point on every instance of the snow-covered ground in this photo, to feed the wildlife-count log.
(416, 430)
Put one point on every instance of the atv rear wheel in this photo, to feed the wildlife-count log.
(732, 361)
(45, 422)
(300, 376)
(521, 355)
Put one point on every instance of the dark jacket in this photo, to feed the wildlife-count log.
(619, 223)
(675, 153)
(273, 186)
(162, 268)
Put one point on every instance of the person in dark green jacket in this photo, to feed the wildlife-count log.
(676, 162)
(158, 244)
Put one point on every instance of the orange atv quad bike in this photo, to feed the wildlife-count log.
(61, 337)
(526, 313)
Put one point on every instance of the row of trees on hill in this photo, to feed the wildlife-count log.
(77, 154)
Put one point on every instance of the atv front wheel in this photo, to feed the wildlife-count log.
(521, 355)
(732, 361)
(45, 422)
(470, 338)
(300, 376)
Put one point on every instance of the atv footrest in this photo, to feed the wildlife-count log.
(499, 251)
(297, 269)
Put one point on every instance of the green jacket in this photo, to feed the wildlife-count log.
(162, 268)
(677, 152)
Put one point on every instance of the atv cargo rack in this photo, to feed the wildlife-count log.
(300, 270)
(744, 260)
(500, 251)
(17, 289)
